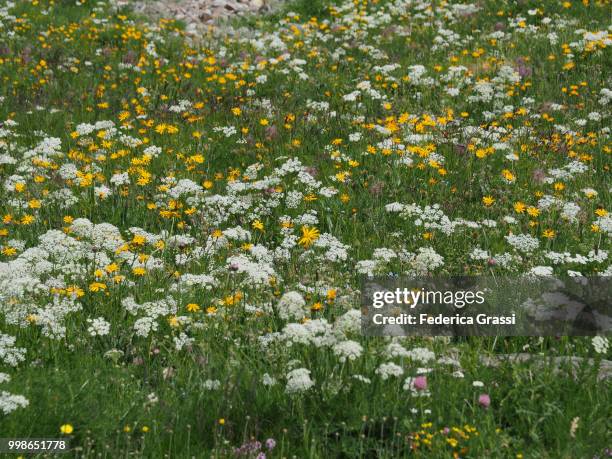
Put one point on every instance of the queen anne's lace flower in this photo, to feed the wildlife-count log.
(298, 381)
(291, 306)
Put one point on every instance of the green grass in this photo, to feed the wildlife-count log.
(63, 64)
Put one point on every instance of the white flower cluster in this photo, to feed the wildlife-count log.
(600, 344)
(10, 402)
(298, 381)
(98, 327)
(292, 306)
(388, 370)
(9, 353)
(211, 384)
(523, 242)
(347, 350)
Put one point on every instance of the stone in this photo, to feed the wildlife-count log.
(558, 363)
(200, 14)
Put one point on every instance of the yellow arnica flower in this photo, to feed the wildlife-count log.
(488, 200)
(309, 235)
(193, 307)
(9, 251)
(173, 321)
(519, 207)
(316, 307)
(27, 219)
(533, 211)
(97, 286)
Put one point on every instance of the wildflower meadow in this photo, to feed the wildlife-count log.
(186, 216)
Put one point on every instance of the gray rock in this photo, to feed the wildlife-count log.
(558, 363)
(200, 14)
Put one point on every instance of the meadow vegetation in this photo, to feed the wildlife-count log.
(184, 223)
